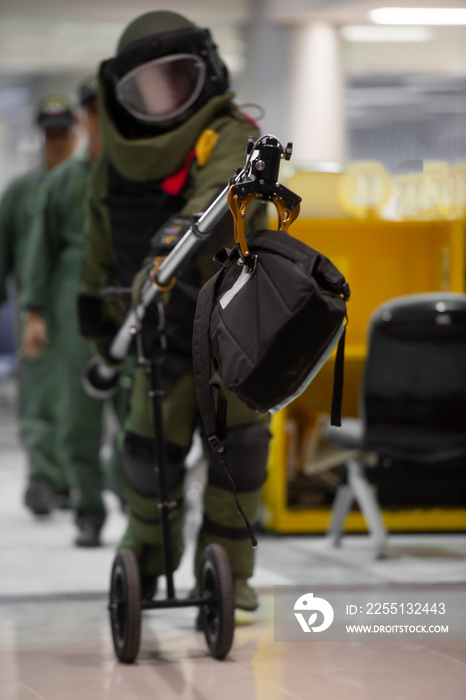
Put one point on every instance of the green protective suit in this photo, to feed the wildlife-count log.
(39, 383)
(56, 254)
(218, 134)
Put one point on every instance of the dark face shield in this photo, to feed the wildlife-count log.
(161, 90)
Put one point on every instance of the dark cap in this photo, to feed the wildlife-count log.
(87, 90)
(55, 110)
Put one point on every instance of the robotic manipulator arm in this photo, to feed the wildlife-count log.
(257, 179)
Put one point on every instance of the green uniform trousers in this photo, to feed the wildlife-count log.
(81, 416)
(38, 412)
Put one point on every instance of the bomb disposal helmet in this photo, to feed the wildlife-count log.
(166, 68)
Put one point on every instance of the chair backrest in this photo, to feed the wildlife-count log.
(414, 387)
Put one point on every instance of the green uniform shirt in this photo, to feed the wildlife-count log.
(18, 210)
(58, 234)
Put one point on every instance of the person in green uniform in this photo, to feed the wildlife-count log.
(47, 484)
(55, 257)
(172, 139)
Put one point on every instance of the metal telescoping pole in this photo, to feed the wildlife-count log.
(165, 507)
(197, 232)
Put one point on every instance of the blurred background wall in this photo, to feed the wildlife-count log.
(327, 77)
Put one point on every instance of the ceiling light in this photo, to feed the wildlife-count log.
(367, 33)
(418, 15)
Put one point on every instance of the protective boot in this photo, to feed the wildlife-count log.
(224, 525)
(246, 453)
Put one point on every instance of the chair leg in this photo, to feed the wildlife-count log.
(369, 506)
(341, 508)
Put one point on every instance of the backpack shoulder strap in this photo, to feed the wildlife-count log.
(337, 398)
(201, 361)
(214, 420)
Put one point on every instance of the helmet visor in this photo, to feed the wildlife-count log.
(163, 89)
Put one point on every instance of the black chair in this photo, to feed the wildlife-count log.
(413, 399)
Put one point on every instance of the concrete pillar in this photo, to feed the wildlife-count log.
(267, 78)
(317, 100)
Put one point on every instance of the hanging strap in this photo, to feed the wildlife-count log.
(201, 363)
(214, 420)
(223, 460)
(338, 376)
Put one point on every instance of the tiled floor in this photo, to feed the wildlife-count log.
(55, 641)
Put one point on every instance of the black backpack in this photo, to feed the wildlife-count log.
(269, 322)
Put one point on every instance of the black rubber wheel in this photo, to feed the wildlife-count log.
(217, 616)
(125, 606)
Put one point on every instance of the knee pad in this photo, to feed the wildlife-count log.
(138, 463)
(247, 449)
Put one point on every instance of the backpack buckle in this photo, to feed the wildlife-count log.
(216, 444)
(249, 263)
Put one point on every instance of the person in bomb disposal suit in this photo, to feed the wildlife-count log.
(172, 138)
